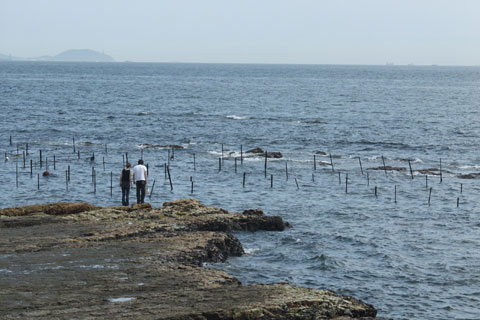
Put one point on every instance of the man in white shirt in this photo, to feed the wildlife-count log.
(140, 180)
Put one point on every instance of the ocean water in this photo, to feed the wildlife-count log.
(413, 254)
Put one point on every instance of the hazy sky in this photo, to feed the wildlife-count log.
(445, 32)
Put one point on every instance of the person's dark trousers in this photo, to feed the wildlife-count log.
(125, 194)
(140, 191)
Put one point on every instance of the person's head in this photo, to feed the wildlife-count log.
(140, 161)
(129, 165)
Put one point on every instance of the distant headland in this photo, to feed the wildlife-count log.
(74, 55)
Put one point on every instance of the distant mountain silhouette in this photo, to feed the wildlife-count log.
(84, 55)
(75, 55)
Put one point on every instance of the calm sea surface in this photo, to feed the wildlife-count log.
(411, 260)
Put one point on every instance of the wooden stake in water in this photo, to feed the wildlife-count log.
(111, 183)
(314, 163)
(194, 164)
(68, 168)
(313, 177)
(429, 196)
(10, 140)
(191, 191)
(458, 202)
(103, 162)
(168, 156)
(106, 150)
(286, 169)
(296, 182)
(73, 144)
(426, 181)
(384, 166)
(94, 181)
(271, 181)
(441, 175)
(23, 159)
(93, 173)
(26, 148)
(395, 194)
(235, 165)
(410, 165)
(54, 163)
(151, 191)
(376, 194)
(41, 160)
(66, 179)
(126, 156)
(16, 174)
(331, 163)
(123, 161)
(266, 156)
(461, 187)
(368, 179)
(222, 152)
(78, 154)
(346, 183)
(339, 179)
(361, 168)
(165, 167)
(38, 179)
(31, 167)
(244, 176)
(241, 154)
(219, 164)
(169, 178)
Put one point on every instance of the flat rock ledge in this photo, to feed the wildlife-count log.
(79, 261)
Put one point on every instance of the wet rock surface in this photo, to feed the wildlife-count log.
(78, 261)
(260, 151)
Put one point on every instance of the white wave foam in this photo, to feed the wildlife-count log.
(122, 299)
(469, 167)
(251, 250)
(234, 117)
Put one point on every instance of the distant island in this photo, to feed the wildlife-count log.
(74, 55)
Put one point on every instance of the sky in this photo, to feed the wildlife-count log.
(420, 32)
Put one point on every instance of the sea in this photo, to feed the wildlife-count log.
(378, 175)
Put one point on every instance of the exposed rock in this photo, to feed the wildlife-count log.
(432, 171)
(389, 168)
(60, 208)
(160, 146)
(256, 150)
(315, 122)
(259, 151)
(76, 260)
(321, 153)
(473, 175)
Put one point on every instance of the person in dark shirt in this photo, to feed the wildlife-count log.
(125, 182)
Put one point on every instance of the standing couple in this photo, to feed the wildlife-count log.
(138, 175)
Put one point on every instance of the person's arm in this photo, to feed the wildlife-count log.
(146, 175)
(133, 177)
(121, 176)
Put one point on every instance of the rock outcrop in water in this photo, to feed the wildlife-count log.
(259, 151)
(76, 260)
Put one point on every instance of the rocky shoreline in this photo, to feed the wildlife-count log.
(79, 261)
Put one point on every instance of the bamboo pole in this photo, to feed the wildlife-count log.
(429, 196)
(170, 178)
(384, 166)
(361, 168)
(410, 165)
(151, 191)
